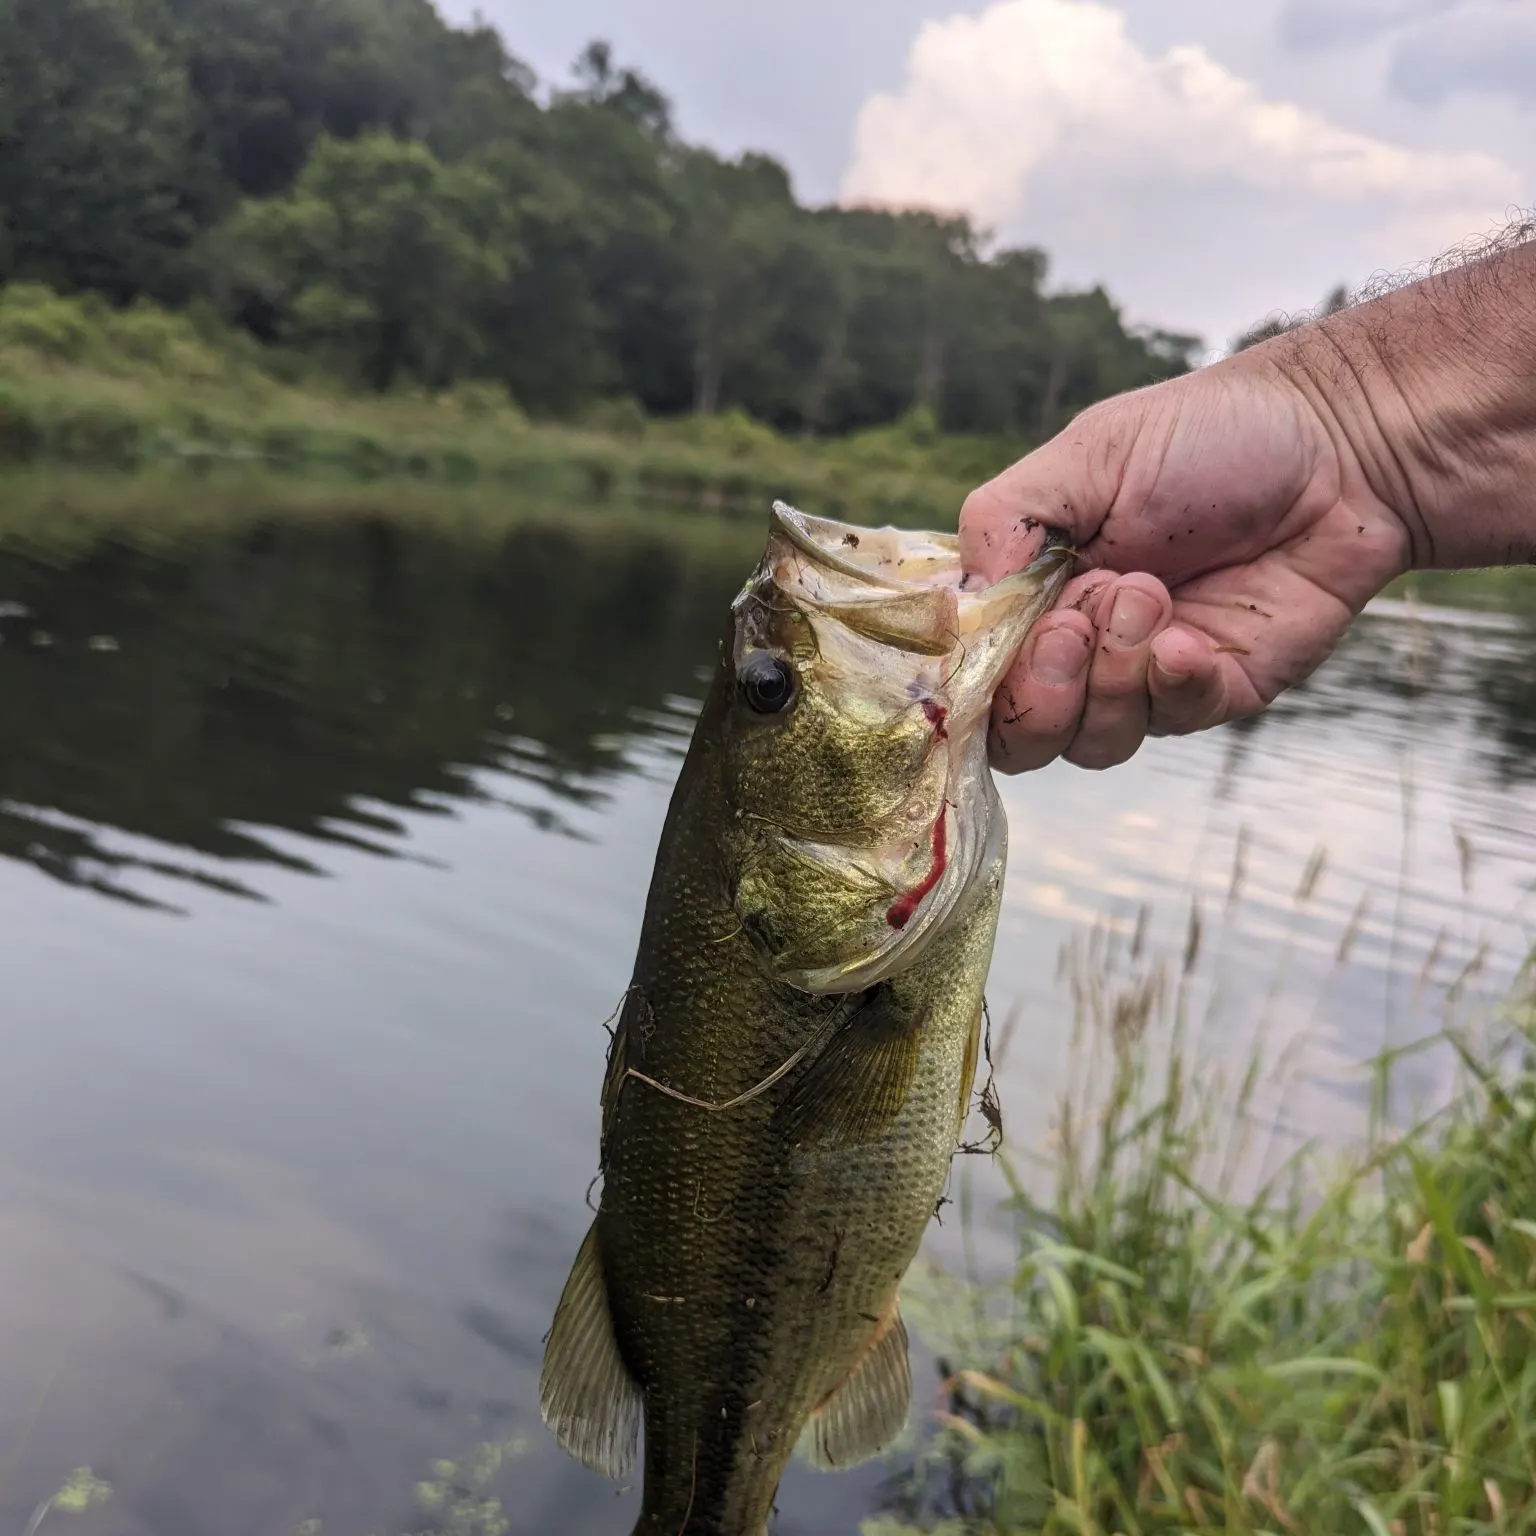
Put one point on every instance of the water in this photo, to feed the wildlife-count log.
(323, 845)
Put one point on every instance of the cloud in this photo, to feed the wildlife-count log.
(1314, 24)
(1489, 48)
(1167, 175)
(991, 98)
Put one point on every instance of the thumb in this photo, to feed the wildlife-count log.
(1004, 523)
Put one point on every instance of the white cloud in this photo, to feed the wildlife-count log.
(1044, 120)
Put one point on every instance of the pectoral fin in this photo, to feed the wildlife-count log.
(968, 1070)
(857, 1085)
(586, 1394)
(864, 1415)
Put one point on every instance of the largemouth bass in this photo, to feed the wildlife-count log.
(792, 1063)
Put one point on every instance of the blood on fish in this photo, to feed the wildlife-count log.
(900, 912)
(938, 715)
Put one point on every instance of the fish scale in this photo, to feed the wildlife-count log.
(793, 1060)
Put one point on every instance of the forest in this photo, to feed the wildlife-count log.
(402, 204)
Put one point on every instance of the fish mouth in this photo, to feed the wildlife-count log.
(906, 590)
(885, 557)
(897, 558)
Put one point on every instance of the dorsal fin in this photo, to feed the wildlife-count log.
(586, 1394)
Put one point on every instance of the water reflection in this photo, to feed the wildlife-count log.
(314, 679)
(288, 1189)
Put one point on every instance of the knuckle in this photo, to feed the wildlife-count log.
(1198, 705)
(1119, 678)
(1099, 754)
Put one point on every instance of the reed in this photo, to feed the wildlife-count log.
(1338, 1343)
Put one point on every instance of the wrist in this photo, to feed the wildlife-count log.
(1431, 392)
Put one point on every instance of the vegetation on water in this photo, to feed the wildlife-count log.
(455, 1500)
(1349, 1347)
(398, 203)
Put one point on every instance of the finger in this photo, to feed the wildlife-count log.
(1116, 714)
(1001, 530)
(1188, 689)
(1068, 483)
(1036, 712)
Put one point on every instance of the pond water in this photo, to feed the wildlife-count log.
(323, 845)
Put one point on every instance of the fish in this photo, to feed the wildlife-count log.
(792, 1064)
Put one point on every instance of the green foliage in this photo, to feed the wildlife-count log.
(82, 383)
(379, 260)
(624, 418)
(368, 187)
(1350, 1350)
(39, 328)
(99, 172)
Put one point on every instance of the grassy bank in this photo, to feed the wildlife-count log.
(89, 387)
(1350, 1349)
(117, 411)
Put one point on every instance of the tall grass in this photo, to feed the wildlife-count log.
(1347, 1344)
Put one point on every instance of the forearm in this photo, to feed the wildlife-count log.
(1432, 391)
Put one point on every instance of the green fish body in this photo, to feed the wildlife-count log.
(793, 1061)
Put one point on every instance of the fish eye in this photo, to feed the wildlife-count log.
(767, 683)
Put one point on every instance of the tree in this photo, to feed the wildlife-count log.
(995, 379)
(381, 257)
(272, 76)
(738, 219)
(359, 179)
(99, 179)
(625, 92)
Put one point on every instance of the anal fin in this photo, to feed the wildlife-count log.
(858, 1084)
(864, 1415)
(586, 1394)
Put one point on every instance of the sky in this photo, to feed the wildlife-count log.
(1211, 162)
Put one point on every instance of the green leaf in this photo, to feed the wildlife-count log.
(1325, 1365)
(1449, 1394)
(1373, 1520)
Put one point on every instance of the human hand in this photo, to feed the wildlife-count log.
(1231, 535)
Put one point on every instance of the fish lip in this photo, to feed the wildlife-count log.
(798, 527)
(823, 541)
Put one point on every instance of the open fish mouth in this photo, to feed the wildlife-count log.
(895, 556)
(908, 590)
(890, 556)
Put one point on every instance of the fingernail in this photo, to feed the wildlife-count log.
(1132, 618)
(1059, 657)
